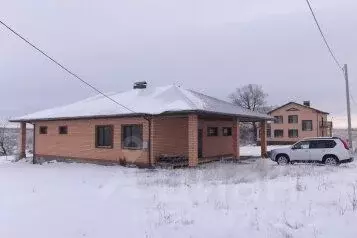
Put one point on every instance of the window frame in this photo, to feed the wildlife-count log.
(61, 132)
(276, 121)
(96, 134)
(208, 131)
(297, 134)
(268, 133)
(302, 125)
(279, 136)
(229, 132)
(141, 146)
(43, 128)
(293, 121)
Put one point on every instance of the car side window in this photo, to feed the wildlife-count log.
(322, 144)
(303, 145)
(330, 144)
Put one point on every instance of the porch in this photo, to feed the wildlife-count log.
(199, 139)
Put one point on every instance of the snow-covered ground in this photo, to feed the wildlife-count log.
(254, 198)
(253, 150)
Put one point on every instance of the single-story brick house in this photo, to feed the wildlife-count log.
(162, 122)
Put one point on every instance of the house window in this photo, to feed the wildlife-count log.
(104, 136)
(293, 119)
(227, 131)
(278, 133)
(269, 133)
(293, 133)
(43, 130)
(307, 125)
(132, 136)
(212, 131)
(63, 130)
(279, 119)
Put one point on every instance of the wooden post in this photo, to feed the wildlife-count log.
(22, 141)
(235, 138)
(263, 139)
(192, 140)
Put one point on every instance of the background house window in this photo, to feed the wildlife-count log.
(132, 136)
(212, 131)
(293, 133)
(269, 133)
(307, 125)
(278, 119)
(227, 131)
(63, 130)
(104, 136)
(293, 119)
(43, 130)
(278, 133)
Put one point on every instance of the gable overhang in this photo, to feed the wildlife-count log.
(311, 108)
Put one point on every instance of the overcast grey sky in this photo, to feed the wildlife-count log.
(207, 45)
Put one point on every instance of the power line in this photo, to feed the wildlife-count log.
(353, 100)
(63, 67)
(323, 36)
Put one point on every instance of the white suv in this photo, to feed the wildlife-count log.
(327, 150)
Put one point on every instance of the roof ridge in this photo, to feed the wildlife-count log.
(185, 96)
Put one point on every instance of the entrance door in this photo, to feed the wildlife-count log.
(199, 143)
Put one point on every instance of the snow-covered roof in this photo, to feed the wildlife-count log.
(153, 101)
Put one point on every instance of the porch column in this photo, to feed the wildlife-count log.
(22, 141)
(192, 140)
(151, 144)
(235, 138)
(263, 139)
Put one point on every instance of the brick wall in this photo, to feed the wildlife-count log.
(80, 140)
(216, 145)
(170, 136)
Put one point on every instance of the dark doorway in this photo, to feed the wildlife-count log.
(199, 143)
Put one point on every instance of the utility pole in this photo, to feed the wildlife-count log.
(348, 107)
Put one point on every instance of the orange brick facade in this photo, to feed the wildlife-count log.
(176, 135)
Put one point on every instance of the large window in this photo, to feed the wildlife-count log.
(43, 130)
(293, 119)
(227, 131)
(293, 133)
(212, 131)
(278, 133)
(63, 130)
(278, 119)
(307, 125)
(104, 136)
(132, 137)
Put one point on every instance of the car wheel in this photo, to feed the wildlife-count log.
(332, 161)
(282, 160)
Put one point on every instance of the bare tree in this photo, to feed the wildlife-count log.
(7, 142)
(251, 97)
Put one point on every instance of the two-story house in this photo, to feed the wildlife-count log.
(294, 121)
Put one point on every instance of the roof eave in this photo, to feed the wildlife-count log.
(245, 117)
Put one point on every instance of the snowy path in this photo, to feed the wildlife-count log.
(253, 199)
